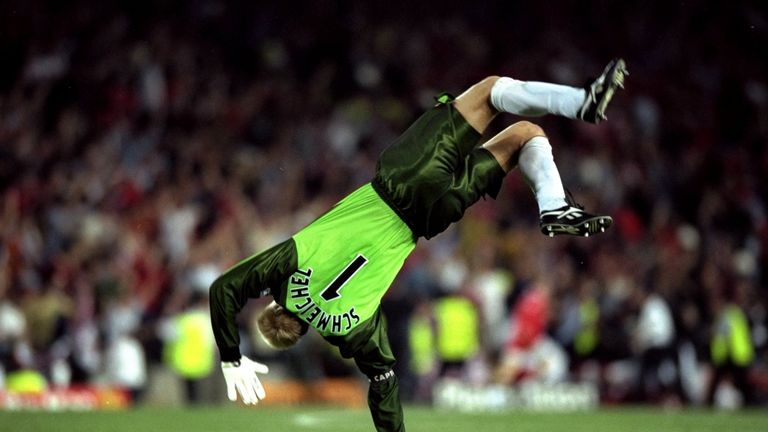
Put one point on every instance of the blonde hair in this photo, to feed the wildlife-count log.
(279, 328)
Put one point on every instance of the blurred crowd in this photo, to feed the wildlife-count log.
(147, 146)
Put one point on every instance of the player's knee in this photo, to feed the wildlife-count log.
(487, 84)
(489, 81)
(479, 94)
(526, 130)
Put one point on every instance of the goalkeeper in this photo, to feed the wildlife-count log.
(332, 274)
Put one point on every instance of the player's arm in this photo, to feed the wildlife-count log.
(259, 275)
(376, 361)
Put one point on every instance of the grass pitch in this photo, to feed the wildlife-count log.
(320, 419)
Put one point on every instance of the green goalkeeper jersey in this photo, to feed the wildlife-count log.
(331, 274)
(346, 260)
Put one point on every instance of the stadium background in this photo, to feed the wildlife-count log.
(147, 146)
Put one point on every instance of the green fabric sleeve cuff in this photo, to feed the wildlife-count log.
(229, 354)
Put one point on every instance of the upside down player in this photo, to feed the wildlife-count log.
(332, 274)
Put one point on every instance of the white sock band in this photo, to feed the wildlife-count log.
(540, 172)
(533, 99)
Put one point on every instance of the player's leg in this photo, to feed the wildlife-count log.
(421, 166)
(480, 103)
(532, 99)
(525, 145)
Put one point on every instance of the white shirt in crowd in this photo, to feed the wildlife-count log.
(655, 327)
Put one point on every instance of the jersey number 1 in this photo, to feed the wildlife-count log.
(331, 292)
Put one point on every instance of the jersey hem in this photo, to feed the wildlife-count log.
(381, 192)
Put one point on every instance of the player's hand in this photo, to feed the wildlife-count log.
(241, 378)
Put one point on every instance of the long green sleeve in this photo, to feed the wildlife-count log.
(369, 346)
(376, 361)
(262, 274)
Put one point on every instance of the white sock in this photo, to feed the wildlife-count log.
(540, 172)
(533, 99)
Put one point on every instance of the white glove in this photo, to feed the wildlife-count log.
(241, 378)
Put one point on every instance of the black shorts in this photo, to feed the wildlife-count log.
(435, 170)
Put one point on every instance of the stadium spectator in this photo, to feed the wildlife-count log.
(189, 349)
(732, 348)
(529, 353)
(457, 333)
(653, 339)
